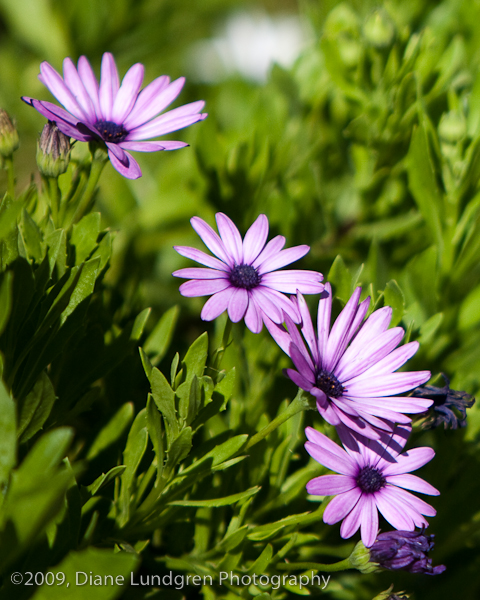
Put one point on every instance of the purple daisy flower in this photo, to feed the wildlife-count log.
(349, 367)
(372, 478)
(244, 279)
(122, 116)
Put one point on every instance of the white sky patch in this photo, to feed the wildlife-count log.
(248, 44)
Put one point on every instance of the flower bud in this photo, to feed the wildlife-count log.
(53, 151)
(389, 595)
(405, 550)
(8, 135)
(360, 559)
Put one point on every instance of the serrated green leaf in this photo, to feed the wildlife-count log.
(195, 358)
(113, 430)
(226, 501)
(179, 449)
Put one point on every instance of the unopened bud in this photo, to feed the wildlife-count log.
(53, 151)
(360, 559)
(8, 135)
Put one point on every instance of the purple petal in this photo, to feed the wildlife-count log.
(398, 404)
(340, 332)
(416, 503)
(211, 240)
(64, 120)
(353, 364)
(90, 82)
(369, 525)
(393, 511)
(340, 506)
(282, 258)
(383, 413)
(201, 257)
(273, 247)
(385, 385)
(216, 305)
(230, 237)
(307, 328)
(109, 84)
(299, 343)
(127, 94)
(302, 364)
(173, 120)
(353, 520)
(120, 154)
(375, 325)
(298, 379)
(163, 98)
(281, 302)
(75, 85)
(279, 334)
(329, 454)
(414, 483)
(255, 239)
(331, 485)
(291, 281)
(410, 461)
(204, 287)
(237, 304)
(131, 170)
(199, 273)
(393, 361)
(357, 425)
(145, 107)
(253, 317)
(268, 303)
(142, 146)
(54, 82)
(323, 322)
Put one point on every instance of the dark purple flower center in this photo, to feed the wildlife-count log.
(111, 132)
(370, 480)
(328, 383)
(244, 276)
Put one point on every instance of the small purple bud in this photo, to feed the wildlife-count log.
(405, 550)
(53, 151)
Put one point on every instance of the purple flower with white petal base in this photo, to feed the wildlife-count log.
(372, 478)
(243, 279)
(349, 368)
(122, 116)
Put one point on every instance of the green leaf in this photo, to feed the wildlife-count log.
(429, 328)
(219, 454)
(159, 340)
(261, 564)
(8, 438)
(32, 237)
(105, 478)
(112, 431)
(179, 449)
(5, 299)
(394, 297)
(341, 278)
(132, 456)
(36, 408)
(154, 426)
(164, 398)
(110, 571)
(469, 314)
(423, 184)
(195, 358)
(84, 236)
(226, 501)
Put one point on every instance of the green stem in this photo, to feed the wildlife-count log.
(55, 196)
(342, 565)
(100, 157)
(8, 166)
(299, 403)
